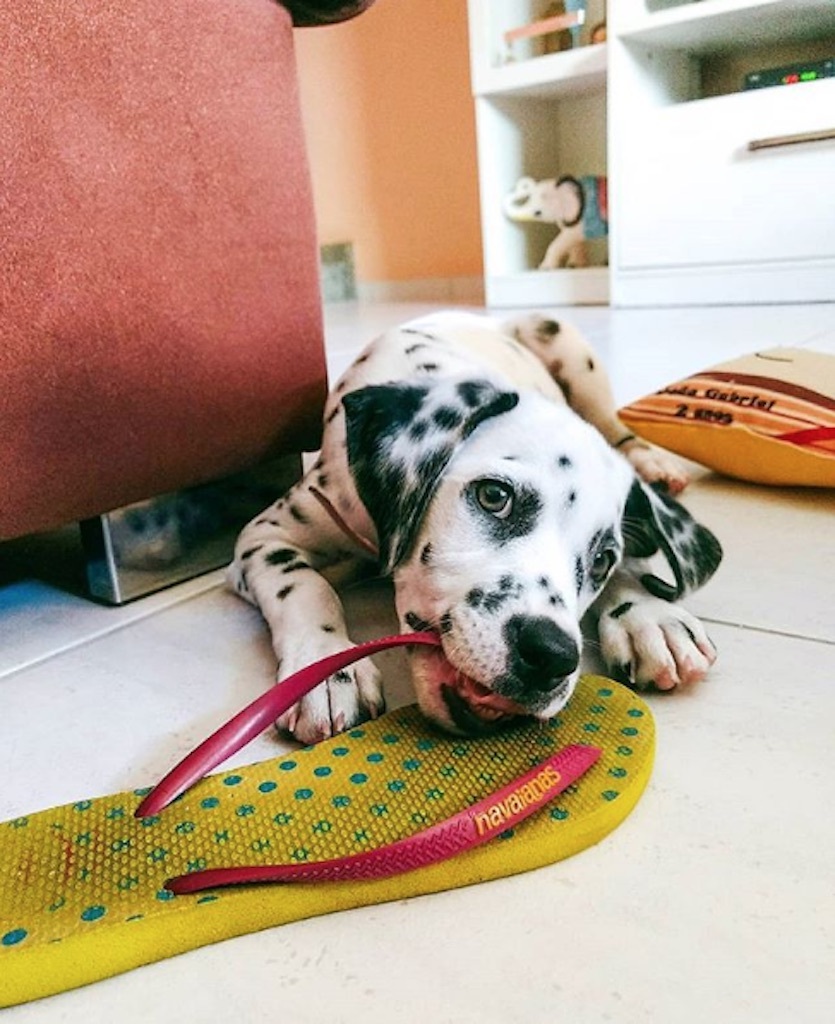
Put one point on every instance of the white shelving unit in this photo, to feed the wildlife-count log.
(541, 116)
(696, 216)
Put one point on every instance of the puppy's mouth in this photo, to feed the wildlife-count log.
(477, 710)
(472, 707)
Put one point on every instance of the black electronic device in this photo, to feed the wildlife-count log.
(791, 74)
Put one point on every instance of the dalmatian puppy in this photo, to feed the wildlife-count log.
(482, 466)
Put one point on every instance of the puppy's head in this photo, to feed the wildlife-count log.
(501, 516)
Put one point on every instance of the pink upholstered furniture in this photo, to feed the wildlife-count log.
(159, 302)
(160, 320)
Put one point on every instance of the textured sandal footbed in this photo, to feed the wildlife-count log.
(81, 886)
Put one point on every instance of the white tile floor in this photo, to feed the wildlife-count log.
(713, 902)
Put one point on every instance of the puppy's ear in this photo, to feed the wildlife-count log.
(654, 521)
(401, 438)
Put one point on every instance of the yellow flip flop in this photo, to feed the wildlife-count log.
(82, 887)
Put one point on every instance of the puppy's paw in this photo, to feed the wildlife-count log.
(649, 642)
(654, 465)
(345, 699)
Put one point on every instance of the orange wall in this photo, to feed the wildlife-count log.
(391, 137)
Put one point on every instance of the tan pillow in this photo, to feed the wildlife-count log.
(768, 417)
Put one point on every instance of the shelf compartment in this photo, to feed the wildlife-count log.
(665, 76)
(538, 138)
(553, 74)
(713, 26)
(532, 66)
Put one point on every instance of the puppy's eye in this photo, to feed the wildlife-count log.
(604, 562)
(494, 497)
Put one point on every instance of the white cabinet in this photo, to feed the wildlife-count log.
(715, 199)
(697, 214)
(695, 194)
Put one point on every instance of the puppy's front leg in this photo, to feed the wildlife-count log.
(277, 561)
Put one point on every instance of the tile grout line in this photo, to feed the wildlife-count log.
(100, 634)
(769, 631)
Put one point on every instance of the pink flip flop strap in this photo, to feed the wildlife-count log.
(260, 714)
(480, 822)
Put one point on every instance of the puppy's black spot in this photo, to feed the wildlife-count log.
(280, 556)
(428, 367)
(687, 551)
(416, 623)
(506, 582)
(550, 327)
(327, 628)
(361, 359)
(590, 364)
(322, 480)
(285, 591)
(426, 555)
(571, 498)
(332, 414)
(579, 573)
(295, 566)
(446, 622)
(250, 552)
(298, 515)
(422, 334)
(418, 430)
(342, 676)
(621, 609)
(564, 462)
(376, 414)
(494, 600)
(475, 597)
(670, 522)
(470, 393)
(267, 522)
(447, 417)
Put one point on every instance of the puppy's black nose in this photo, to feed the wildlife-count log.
(541, 653)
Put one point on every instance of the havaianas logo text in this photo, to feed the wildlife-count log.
(534, 792)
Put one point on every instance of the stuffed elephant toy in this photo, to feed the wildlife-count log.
(577, 206)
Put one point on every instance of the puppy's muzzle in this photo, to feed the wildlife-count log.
(541, 655)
